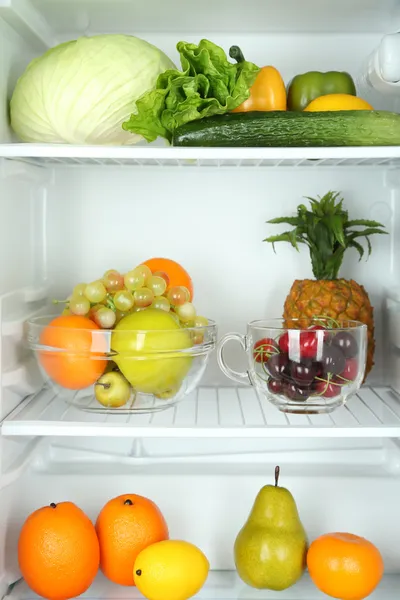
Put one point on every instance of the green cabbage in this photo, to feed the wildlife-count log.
(81, 92)
(207, 85)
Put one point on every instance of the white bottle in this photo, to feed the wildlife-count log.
(382, 68)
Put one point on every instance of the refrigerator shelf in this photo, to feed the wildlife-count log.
(155, 156)
(224, 412)
(221, 585)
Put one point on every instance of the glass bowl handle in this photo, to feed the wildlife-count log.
(238, 376)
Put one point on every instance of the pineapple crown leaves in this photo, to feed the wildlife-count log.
(327, 231)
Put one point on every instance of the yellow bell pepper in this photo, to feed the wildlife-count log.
(267, 93)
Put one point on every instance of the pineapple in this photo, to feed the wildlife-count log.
(328, 232)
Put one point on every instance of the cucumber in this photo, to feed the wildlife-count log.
(292, 129)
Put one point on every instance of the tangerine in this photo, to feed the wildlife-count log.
(58, 551)
(344, 565)
(177, 275)
(82, 363)
(125, 526)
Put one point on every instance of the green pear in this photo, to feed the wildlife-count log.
(270, 550)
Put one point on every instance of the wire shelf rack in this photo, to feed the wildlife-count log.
(211, 412)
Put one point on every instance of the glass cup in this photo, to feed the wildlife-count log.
(302, 365)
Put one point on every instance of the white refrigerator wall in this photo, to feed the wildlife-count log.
(213, 221)
(181, 16)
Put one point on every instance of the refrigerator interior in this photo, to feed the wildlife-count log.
(70, 213)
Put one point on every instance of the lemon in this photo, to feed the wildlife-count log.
(170, 570)
(148, 344)
(337, 102)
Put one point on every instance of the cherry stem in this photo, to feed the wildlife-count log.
(336, 382)
(277, 473)
(327, 381)
(260, 352)
(263, 379)
(328, 320)
(55, 301)
(264, 368)
(344, 379)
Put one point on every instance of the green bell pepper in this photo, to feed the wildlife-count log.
(306, 87)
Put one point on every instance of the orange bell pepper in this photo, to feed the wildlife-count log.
(268, 92)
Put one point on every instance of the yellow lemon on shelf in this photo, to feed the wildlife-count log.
(170, 570)
(337, 102)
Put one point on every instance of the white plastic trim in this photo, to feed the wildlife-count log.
(19, 379)
(24, 460)
(27, 22)
(185, 157)
(11, 169)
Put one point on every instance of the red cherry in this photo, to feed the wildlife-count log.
(308, 344)
(303, 373)
(296, 392)
(263, 349)
(327, 390)
(276, 365)
(320, 328)
(275, 386)
(284, 343)
(350, 370)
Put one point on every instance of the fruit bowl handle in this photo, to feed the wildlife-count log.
(237, 376)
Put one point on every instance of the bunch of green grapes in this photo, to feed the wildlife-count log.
(108, 300)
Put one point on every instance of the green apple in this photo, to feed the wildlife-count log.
(112, 389)
(147, 344)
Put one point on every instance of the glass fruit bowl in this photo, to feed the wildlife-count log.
(304, 365)
(122, 371)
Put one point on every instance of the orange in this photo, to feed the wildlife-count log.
(176, 273)
(82, 364)
(125, 526)
(344, 565)
(58, 551)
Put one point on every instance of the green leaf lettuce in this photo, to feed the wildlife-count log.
(207, 85)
